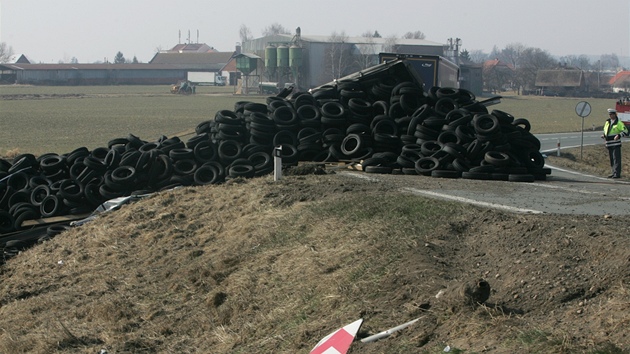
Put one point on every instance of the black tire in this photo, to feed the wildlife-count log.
(52, 163)
(18, 180)
(7, 222)
(124, 175)
(446, 174)
(39, 193)
(523, 123)
(205, 151)
(50, 206)
(445, 105)
(485, 124)
(207, 174)
(378, 169)
(351, 145)
(426, 165)
(285, 137)
(499, 176)
(229, 150)
(476, 175)
(521, 178)
(54, 230)
(333, 109)
(496, 158)
(246, 171)
(181, 154)
(184, 167)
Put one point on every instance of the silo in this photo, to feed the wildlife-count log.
(283, 56)
(271, 57)
(295, 56)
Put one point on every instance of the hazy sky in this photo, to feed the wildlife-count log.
(52, 30)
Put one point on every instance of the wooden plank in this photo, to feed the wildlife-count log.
(54, 219)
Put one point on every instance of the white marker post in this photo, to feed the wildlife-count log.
(558, 147)
(277, 163)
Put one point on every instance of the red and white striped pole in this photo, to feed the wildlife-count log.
(558, 153)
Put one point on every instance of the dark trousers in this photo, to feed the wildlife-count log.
(615, 160)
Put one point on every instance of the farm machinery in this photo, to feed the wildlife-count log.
(183, 87)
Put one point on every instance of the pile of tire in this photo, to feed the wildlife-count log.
(386, 125)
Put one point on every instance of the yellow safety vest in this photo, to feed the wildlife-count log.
(617, 129)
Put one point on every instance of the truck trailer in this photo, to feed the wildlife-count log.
(433, 69)
(206, 78)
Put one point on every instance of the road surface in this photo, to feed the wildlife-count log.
(564, 192)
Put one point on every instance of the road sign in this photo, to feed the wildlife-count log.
(583, 109)
(339, 341)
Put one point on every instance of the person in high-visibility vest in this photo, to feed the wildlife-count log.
(614, 129)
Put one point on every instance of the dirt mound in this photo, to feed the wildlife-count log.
(256, 266)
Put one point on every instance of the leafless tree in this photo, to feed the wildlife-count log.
(414, 35)
(532, 60)
(6, 53)
(338, 56)
(245, 34)
(512, 54)
(478, 56)
(389, 46)
(366, 55)
(370, 34)
(609, 61)
(275, 28)
(581, 62)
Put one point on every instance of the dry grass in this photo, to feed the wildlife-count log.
(256, 266)
(592, 159)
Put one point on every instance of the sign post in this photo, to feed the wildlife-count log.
(583, 109)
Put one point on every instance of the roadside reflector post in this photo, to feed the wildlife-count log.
(558, 153)
(277, 162)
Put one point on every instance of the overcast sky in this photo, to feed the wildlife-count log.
(50, 31)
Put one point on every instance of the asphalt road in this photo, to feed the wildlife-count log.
(564, 192)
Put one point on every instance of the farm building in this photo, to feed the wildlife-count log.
(165, 68)
(563, 82)
(620, 82)
(221, 63)
(91, 74)
(314, 60)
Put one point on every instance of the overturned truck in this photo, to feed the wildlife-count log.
(380, 117)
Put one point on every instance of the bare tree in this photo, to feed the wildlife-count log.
(370, 34)
(389, 46)
(478, 56)
(532, 60)
(512, 54)
(366, 55)
(275, 28)
(338, 56)
(581, 62)
(245, 34)
(6, 53)
(609, 61)
(414, 35)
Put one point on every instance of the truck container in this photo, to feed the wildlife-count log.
(433, 69)
(206, 78)
(623, 110)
